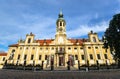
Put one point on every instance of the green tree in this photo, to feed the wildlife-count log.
(112, 36)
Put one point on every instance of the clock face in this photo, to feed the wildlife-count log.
(60, 29)
(60, 40)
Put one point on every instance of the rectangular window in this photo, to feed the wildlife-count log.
(69, 48)
(25, 56)
(94, 39)
(18, 56)
(82, 56)
(39, 57)
(52, 48)
(105, 55)
(91, 56)
(29, 40)
(75, 48)
(96, 47)
(40, 48)
(3, 58)
(45, 57)
(76, 57)
(89, 47)
(98, 56)
(32, 56)
(46, 48)
(81, 48)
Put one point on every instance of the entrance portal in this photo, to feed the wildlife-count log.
(61, 60)
(71, 60)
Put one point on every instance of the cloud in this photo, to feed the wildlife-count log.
(41, 26)
(39, 16)
(83, 30)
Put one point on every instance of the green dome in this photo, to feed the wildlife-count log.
(60, 17)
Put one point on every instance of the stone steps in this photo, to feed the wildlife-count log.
(61, 68)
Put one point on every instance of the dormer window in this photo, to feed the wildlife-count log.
(94, 39)
(29, 40)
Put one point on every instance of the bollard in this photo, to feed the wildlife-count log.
(78, 64)
(42, 65)
(24, 64)
(68, 63)
(52, 65)
(97, 64)
(87, 65)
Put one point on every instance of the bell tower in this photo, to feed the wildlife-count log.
(60, 29)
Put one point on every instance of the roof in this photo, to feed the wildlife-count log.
(48, 41)
(45, 41)
(3, 54)
(13, 45)
(77, 41)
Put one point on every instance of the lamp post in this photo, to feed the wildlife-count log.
(24, 64)
(42, 65)
(78, 64)
(52, 62)
(97, 62)
(34, 65)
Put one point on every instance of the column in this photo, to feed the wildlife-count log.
(95, 55)
(22, 55)
(101, 54)
(36, 55)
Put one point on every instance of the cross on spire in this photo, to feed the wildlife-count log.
(60, 14)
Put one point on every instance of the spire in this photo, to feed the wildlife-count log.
(61, 11)
(60, 14)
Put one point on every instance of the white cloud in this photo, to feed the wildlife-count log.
(45, 27)
(83, 30)
(41, 26)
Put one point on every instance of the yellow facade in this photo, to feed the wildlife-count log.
(59, 50)
(2, 59)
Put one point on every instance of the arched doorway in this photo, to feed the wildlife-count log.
(61, 60)
(71, 59)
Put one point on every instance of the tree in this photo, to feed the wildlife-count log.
(112, 36)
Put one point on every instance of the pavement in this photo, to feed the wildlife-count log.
(21, 74)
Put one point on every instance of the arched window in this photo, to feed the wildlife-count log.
(94, 39)
(29, 40)
(60, 23)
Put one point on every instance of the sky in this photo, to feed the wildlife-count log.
(20, 17)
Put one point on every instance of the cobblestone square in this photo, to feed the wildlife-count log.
(20, 74)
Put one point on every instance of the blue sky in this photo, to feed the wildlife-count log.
(19, 17)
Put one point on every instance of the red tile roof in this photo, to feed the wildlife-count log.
(13, 45)
(45, 41)
(48, 41)
(3, 54)
(77, 41)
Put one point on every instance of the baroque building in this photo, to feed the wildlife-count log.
(2, 58)
(59, 50)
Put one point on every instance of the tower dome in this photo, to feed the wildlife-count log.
(60, 18)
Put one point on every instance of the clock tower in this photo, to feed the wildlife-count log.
(60, 29)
